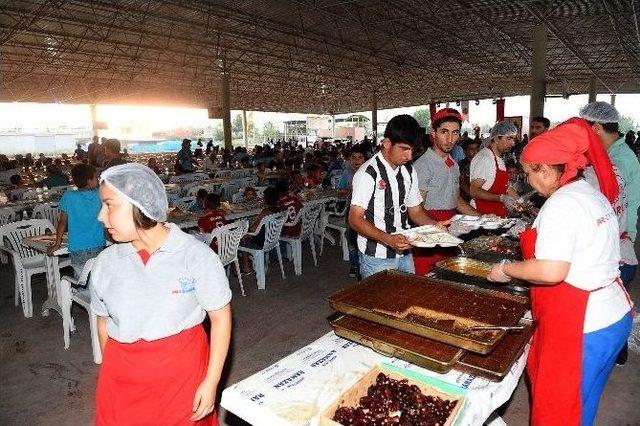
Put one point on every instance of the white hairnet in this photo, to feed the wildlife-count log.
(141, 187)
(503, 128)
(600, 112)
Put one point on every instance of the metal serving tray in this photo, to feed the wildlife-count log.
(497, 364)
(440, 310)
(481, 248)
(388, 341)
(474, 272)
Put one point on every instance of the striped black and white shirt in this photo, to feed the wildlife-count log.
(385, 194)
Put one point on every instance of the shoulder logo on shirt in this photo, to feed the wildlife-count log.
(187, 285)
(382, 184)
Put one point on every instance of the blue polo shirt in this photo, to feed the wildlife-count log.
(82, 208)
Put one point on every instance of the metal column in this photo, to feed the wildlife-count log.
(374, 117)
(592, 89)
(538, 71)
(226, 108)
(245, 137)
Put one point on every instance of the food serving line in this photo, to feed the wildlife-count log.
(462, 341)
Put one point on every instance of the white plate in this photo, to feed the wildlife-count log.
(428, 236)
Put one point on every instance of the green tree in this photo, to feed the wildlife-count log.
(423, 116)
(218, 134)
(270, 131)
(627, 123)
(236, 126)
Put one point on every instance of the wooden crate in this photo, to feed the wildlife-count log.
(351, 396)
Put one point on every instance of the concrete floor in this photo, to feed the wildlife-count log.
(43, 384)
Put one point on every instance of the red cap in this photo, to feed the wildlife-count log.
(446, 113)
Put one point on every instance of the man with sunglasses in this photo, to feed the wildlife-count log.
(489, 177)
(386, 199)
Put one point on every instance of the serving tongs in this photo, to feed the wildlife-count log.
(497, 327)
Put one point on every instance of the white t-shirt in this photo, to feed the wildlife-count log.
(578, 225)
(483, 166)
(621, 207)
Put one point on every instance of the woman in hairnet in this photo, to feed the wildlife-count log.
(151, 291)
(572, 251)
(489, 185)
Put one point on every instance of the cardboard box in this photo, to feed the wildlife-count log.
(351, 397)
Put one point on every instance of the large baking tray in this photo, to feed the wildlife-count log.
(388, 341)
(497, 364)
(473, 271)
(432, 308)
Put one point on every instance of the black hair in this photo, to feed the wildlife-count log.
(15, 179)
(608, 127)
(449, 119)
(283, 187)
(271, 197)
(468, 141)
(510, 164)
(202, 193)
(404, 129)
(544, 120)
(81, 173)
(212, 201)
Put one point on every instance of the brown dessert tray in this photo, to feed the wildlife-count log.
(388, 341)
(473, 271)
(497, 364)
(440, 310)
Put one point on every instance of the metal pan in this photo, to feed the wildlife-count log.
(388, 341)
(432, 308)
(474, 272)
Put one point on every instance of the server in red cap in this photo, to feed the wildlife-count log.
(572, 251)
(439, 183)
(489, 177)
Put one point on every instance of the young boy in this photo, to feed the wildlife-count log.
(288, 202)
(79, 216)
(356, 159)
(213, 217)
(199, 206)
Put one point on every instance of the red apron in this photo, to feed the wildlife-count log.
(499, 187)
(554, 364)
(152, 383)
(424, 259)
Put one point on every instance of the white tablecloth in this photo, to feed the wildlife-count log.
(295, 390)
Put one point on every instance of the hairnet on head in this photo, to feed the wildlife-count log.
(140, 186)
(600, 112)
(503, 128)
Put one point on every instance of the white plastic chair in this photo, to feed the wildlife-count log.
(47, 211)
(26, 261)
(184, 203)
(82, 296)
(272, 225)
(335, 219)
(7, 215)
(309, 216)
(228, 239)
(189, 177)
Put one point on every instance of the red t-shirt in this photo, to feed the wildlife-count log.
(292, 206)
(211, 221)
